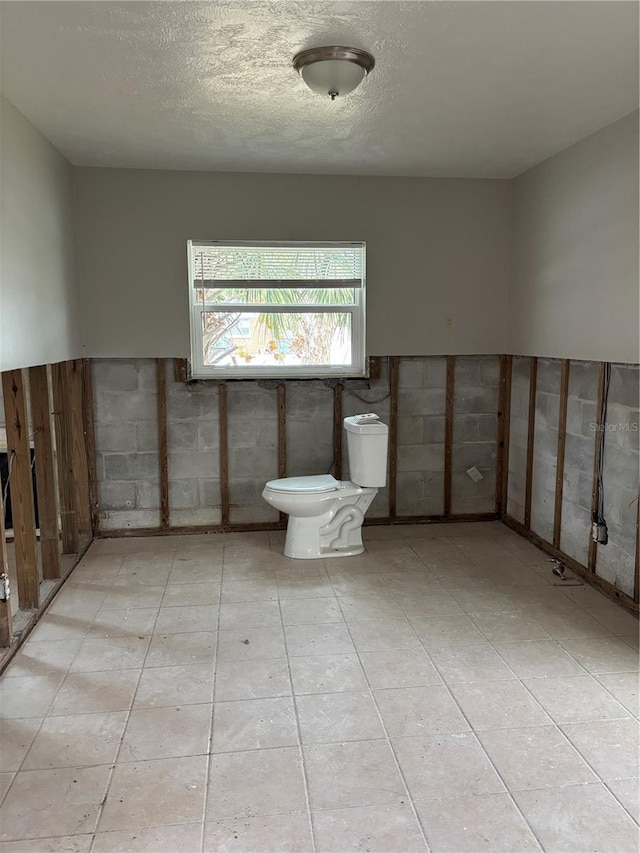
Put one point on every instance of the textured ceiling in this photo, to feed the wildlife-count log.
(482, 89)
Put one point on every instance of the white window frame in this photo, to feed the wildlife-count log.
(358, 366)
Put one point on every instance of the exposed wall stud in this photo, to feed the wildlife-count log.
(64, 457)
(448, 433)
(337, 430)
(562, 435)
(163, 453)
(78, 447)
(533, 381)
(636, 583)
(224, 453)
(45, 476)
(593, 545)
(90, 436)
(393, 435)
(503, 433)
(6, 618)
(21, 490)
(282, 435)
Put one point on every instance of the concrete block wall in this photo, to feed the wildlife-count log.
(475, 431)
(545, 447)
(309, 428)
(421, 408)
(126, 425)
(519, 425)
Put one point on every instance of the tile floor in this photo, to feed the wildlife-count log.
(207, 694)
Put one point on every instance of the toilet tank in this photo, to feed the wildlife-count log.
(367, 441)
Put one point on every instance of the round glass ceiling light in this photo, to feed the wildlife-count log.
(333, 70)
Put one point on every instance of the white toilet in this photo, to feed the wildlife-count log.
(325, 514)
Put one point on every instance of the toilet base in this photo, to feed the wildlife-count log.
(337, 533)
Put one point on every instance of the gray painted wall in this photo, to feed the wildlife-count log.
(39, 298)
(574, 288)
(437, 252)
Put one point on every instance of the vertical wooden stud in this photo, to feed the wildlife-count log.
(90, 435)
(163, 452)
(533, 382)
(6, 617)
(393, 435)
(45, 476)
(593, 545)
(562, 436)
(64, 458)
(504, 433)
(21, 490)
(448, 433)
(224, 453)
(337, 431)
(282, 435)
(636, 586)
(78, 447)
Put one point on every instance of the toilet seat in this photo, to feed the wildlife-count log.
(311, 485)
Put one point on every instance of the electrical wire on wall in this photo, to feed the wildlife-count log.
(599, 532)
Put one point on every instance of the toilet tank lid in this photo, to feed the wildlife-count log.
(368, 424)
(304, 485)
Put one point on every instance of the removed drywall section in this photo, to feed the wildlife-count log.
(310, 411)
(545, 448)
(421, 415)
(39, 298)
(475, 426)
(518, 434)
(126, 426)
(616, 560)
(578, 460)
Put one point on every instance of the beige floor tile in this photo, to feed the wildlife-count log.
(194, 571)
(348, 583)
(51, 628)
(364, 608)
(578, 819)
(250, 614)
(418, 584)
(627, 792)
(310, 611)
(5, 783)
(624, 686)
(327, 674)
(132, 597)
(446, 630)
(28, 696)
(43, 658)
(337, 717)
(258, 782)
(570, 622)
(76, 740)
(251, 644)
(475, 601)
(257, 590)
(610, 746)
(111, 653)
(326, 639)
(186, 594)
(538, 659)
(166, 686)
(430, 604)
(124, 623)
(144, 576)
(61, 844)
(180, 620)
(285, 833)
(498, 705)
(575, 698)
(47, 803)
(603, 655)
(95, 692)
(359, 773)
(16, 736)
(166, 733)
(377, 829)
(378, 636)
(446, 765)
(183, 838)
(399, 668)
(252, 679)
(616, 619)
(71, 602)
(470, 663)
(411, 711)
(254, 724)
(470, 824)
(289, 588)
(246, 570)
(505, 627)
(136, 799)
(178, 649)
(539, 757)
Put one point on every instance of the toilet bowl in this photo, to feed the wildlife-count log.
(325, 514)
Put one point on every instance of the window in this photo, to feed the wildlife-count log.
(276, 309)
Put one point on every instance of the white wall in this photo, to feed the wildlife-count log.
(437, 251)
(574, 292)
(39, 311)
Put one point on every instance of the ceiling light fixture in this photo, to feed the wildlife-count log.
(333, 70)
